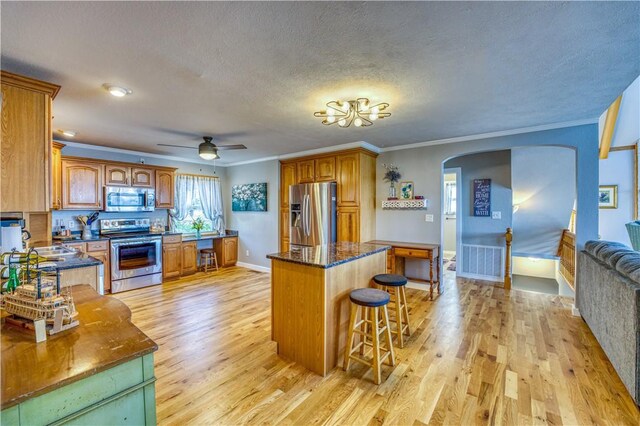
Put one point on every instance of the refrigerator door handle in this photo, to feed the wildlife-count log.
(307, 215)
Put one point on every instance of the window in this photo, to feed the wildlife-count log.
(450, 198)
(194, 211)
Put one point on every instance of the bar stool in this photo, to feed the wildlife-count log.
(208, 258)
(370, 300)
(395, 285)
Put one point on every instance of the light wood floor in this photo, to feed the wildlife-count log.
(477, 356)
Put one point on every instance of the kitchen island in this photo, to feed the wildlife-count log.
(310, 289)
(100, 372)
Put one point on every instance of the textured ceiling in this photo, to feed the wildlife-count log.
(256, 72)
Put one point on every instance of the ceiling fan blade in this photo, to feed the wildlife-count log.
(227, 147)
(178, 146)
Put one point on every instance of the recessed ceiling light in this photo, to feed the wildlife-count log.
(117, 91)
(68, 133)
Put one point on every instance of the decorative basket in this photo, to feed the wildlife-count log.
(633, 228)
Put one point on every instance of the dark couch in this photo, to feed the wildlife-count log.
(608, 298)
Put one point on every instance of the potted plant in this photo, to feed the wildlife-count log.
(198, 224)
(392, 176)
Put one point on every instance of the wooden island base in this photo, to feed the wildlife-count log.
(310, 308)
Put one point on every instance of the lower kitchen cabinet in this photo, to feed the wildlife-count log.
(226, 251)
(99, 250)
(189, 258)
(171, 260)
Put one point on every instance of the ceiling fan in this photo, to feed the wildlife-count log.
(207, 150)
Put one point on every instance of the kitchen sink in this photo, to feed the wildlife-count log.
(55, 251)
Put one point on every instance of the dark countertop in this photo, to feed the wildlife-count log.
(104, 339)
(79, 260)
(328, 256)
(185, 237)
(192, 237)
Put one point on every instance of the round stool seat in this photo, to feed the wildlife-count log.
(390, 280)
(369, 297)
(207, 250)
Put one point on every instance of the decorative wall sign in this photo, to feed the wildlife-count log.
(482, 197)
(250, 197)
(406, 190)
(608, 197)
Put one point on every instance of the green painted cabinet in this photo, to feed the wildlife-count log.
(122, 395)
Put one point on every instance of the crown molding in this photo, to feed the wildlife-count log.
(500, 133)
(140, 153)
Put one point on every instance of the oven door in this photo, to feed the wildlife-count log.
(136, 257)
(127, 200)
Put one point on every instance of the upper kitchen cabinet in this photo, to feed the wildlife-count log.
(81, 185)
(56, 175)
(25, 181)
(164, 188)
(122, 175)
(354, 172)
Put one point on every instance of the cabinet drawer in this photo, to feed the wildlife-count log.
(98, 245)
(170, 239)
(76, 246)
(404, 252)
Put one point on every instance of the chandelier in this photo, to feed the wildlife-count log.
(359, 112)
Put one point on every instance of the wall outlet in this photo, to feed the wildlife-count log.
(247, 252)
(496, 215)
(72, 224)
(428, 218)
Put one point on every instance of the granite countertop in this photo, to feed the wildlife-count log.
(192, 237)
(78, 260)
(329, 255)
(104, 339)
(76, 237)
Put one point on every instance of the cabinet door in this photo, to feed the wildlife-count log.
(56, 176)
(349, 224)
(325, 169)
(230, 251)
(306, 171)
(143, 178)
(116, 175)
(164, 189)
(189, 262)
(81, 185)
(171, 260)
(284, 223)
(287, 178)
(103, 256)
(348, 177)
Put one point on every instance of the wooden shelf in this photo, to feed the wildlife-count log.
(405, 204)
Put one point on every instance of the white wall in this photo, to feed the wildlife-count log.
(258, 231)
(618, 169)
(544, 188)
(627, 129)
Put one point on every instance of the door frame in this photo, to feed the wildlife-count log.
(458, 172)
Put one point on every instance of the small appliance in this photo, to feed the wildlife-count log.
(312, 214)
(127, 199)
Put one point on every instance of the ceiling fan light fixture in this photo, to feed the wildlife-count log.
(208, 151)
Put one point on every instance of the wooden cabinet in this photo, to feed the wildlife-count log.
(325, 169)
(354, 171)
(116, 175)
(143, 177)
(101, 251)
(56, 175)
(171, 260)
(189, 258)
(348, 226)
(226, 251)
(122, 175)
(164, 189)
(25, 176)
(81, 185)
(348, 177)
(287, 178)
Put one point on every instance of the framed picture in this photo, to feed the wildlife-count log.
(406, 190)
(608, 197)
(250, 197)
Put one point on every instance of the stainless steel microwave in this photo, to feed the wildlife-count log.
(127, 199)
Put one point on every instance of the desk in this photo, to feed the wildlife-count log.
(401, 250)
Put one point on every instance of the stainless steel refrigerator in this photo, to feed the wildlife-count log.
(312, 214)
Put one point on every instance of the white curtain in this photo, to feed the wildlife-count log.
(184, 192)
(210, 193)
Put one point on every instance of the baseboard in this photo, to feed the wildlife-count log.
(574, 311)
(254, 267)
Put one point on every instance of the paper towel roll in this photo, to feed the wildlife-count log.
(11, 238)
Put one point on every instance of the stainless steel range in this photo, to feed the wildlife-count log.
(136, 254)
